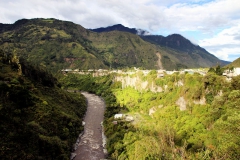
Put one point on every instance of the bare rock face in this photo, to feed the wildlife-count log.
(181, 103)
(73, 155)
(152, 111)
(138, 84)
(179, 83)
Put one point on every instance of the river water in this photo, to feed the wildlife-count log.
(90, 143)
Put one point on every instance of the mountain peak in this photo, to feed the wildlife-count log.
(116, 27)
(120, 27)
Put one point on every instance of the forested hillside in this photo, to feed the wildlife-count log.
(57, 45)
(235, 63)
(194, 117)
(38, 120)
(178, 116)
(186, 53)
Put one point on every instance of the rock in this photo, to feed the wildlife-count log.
(105, 151)
(73, 155)
(182, 103)
(152, 111)
(179, 83)
(83, 123)
(202, 101)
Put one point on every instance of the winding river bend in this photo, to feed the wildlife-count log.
(90, 144)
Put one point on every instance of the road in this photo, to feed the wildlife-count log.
(90, 146)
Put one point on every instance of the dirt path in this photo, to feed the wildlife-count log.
(90, 146)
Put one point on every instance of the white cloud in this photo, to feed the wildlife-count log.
(225, 45)
(153, 15)
(157, 16)
(206, 17)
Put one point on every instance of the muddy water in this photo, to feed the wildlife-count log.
(90, 146)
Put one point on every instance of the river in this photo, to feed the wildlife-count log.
(90, 144)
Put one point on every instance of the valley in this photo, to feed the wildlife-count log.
(57, 44)
(153, 97)
(188, 118)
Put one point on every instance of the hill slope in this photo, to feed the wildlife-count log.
(188, 119)
(57, 44)
(54, 44)
(176, 42)
(235, 63)
(181, 44)
(38, 119)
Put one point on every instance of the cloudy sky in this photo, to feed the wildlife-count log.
(212, 24)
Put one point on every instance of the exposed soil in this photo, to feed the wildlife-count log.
(90, 146)
(159, 63)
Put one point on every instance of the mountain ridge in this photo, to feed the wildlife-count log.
(235, 63)
(57, 44)
(173, 41)
(120, 27)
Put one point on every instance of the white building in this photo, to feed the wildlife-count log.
(232, 73)
(118, 116)
(236, 71)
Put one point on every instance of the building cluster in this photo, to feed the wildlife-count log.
(160, 73)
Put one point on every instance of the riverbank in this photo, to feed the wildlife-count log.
(91, 143)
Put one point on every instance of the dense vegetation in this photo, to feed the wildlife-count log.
(208, 127)
(194, 117)
(38, 120)
(56, 45)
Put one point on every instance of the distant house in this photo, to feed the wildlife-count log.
(145, 72)
(66, 70)
(170, 72)
(160, 75)
(236, 71)
(118, 116)
(123, 116)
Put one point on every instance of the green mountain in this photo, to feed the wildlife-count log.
(179, 43)
(175, 41)
(235, 63)
(38, 119)
(57, 45)
(178, 116)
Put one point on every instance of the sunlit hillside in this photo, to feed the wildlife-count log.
(235, 63)
(56, 45)
(191, 117)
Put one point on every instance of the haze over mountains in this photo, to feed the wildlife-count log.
(57, 44)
